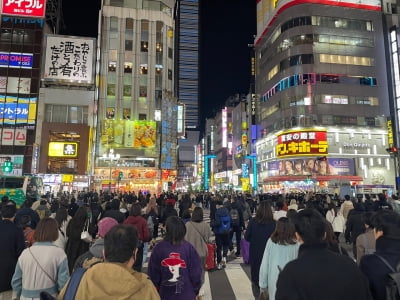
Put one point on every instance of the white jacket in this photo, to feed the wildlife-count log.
(338, 222)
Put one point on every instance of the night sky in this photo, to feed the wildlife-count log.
(227, 28)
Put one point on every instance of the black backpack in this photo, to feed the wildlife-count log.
(234, 217)
(392, 284)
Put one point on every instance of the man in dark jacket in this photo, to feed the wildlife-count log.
(11, 245)
(221, 226)
(237, 224)
(319, 273)
(355, 225)
(386, 225)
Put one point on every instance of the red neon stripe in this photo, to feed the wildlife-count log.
(322, 2)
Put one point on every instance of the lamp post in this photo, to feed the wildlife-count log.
(111, 156)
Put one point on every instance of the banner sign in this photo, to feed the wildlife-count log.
(309, 166)
(13, 136)
(302, 142)
(16, 60)
(17, 110)
(63, 149)
(69, 58)
(24, 8)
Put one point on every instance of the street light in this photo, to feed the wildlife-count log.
(111, 157)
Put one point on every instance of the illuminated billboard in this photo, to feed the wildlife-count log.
(69, 59)
(302, 142)
(128, 134)
(24, 8)
(16, 60)
(17, 110)
(224, 127)
(63, 149)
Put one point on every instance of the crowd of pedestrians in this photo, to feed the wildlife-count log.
(294, 245)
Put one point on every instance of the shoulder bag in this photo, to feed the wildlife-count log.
(85, 235)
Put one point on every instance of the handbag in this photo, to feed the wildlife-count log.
(85, 235)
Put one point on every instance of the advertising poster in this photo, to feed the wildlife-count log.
(128, 134)
(309, 166)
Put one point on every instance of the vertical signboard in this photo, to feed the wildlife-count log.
(224, 127)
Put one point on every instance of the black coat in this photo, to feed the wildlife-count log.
(355, 225)
(75, 246)
(319, 273)
(257, 234)
(374, 268)
(11, 245)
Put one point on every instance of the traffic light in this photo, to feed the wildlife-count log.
(391, 150)
(7, 166)
(120, 175)
(321, 158)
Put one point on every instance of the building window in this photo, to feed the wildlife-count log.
(66, 114)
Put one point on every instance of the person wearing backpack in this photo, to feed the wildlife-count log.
(386, 225)
(221, 225)
(237, 223)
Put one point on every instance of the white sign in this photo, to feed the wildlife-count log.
(69, 59)
(11, 136)
(15, 85)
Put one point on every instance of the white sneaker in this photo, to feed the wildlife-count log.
(224, 261)
(219, 266)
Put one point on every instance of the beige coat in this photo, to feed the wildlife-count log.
(198, 234)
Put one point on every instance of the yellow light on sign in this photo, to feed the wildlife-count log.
(63, 149)
(67, 178)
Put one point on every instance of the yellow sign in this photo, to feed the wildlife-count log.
(67, 178)
(63, 149)
(390, 133)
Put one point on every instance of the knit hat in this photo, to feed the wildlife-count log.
(105, 225)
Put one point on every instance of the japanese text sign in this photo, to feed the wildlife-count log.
(13, 136)
(63, 149)
(302, 142)
(24, 8)
(69, 58)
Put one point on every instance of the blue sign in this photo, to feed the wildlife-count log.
(14, 111)
(245, 170)
(16, 60)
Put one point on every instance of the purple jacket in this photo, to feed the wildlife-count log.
(175, 271)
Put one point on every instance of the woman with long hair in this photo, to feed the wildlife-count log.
(75, 245)
(175, 267)
(152, 210)
(336, 219)
(41, 267)
(62, 219)
(281, 248)
(258, 232)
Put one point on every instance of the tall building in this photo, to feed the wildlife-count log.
(21, 31)
(322, 82)
(136, 78)
(187, 60)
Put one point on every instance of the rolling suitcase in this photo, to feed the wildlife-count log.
(245, 249)
(210, 259)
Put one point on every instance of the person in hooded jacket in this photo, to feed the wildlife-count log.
(135, 219)
(115, 278)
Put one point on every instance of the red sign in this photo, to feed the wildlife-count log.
(24, 8)
(302, 142)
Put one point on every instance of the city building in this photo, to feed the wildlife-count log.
(21, 30)
(136, 100)
(323, 107)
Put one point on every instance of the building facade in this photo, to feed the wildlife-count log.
(322, 81)
(136, 76)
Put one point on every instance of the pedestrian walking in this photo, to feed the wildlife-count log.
(258, 232)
